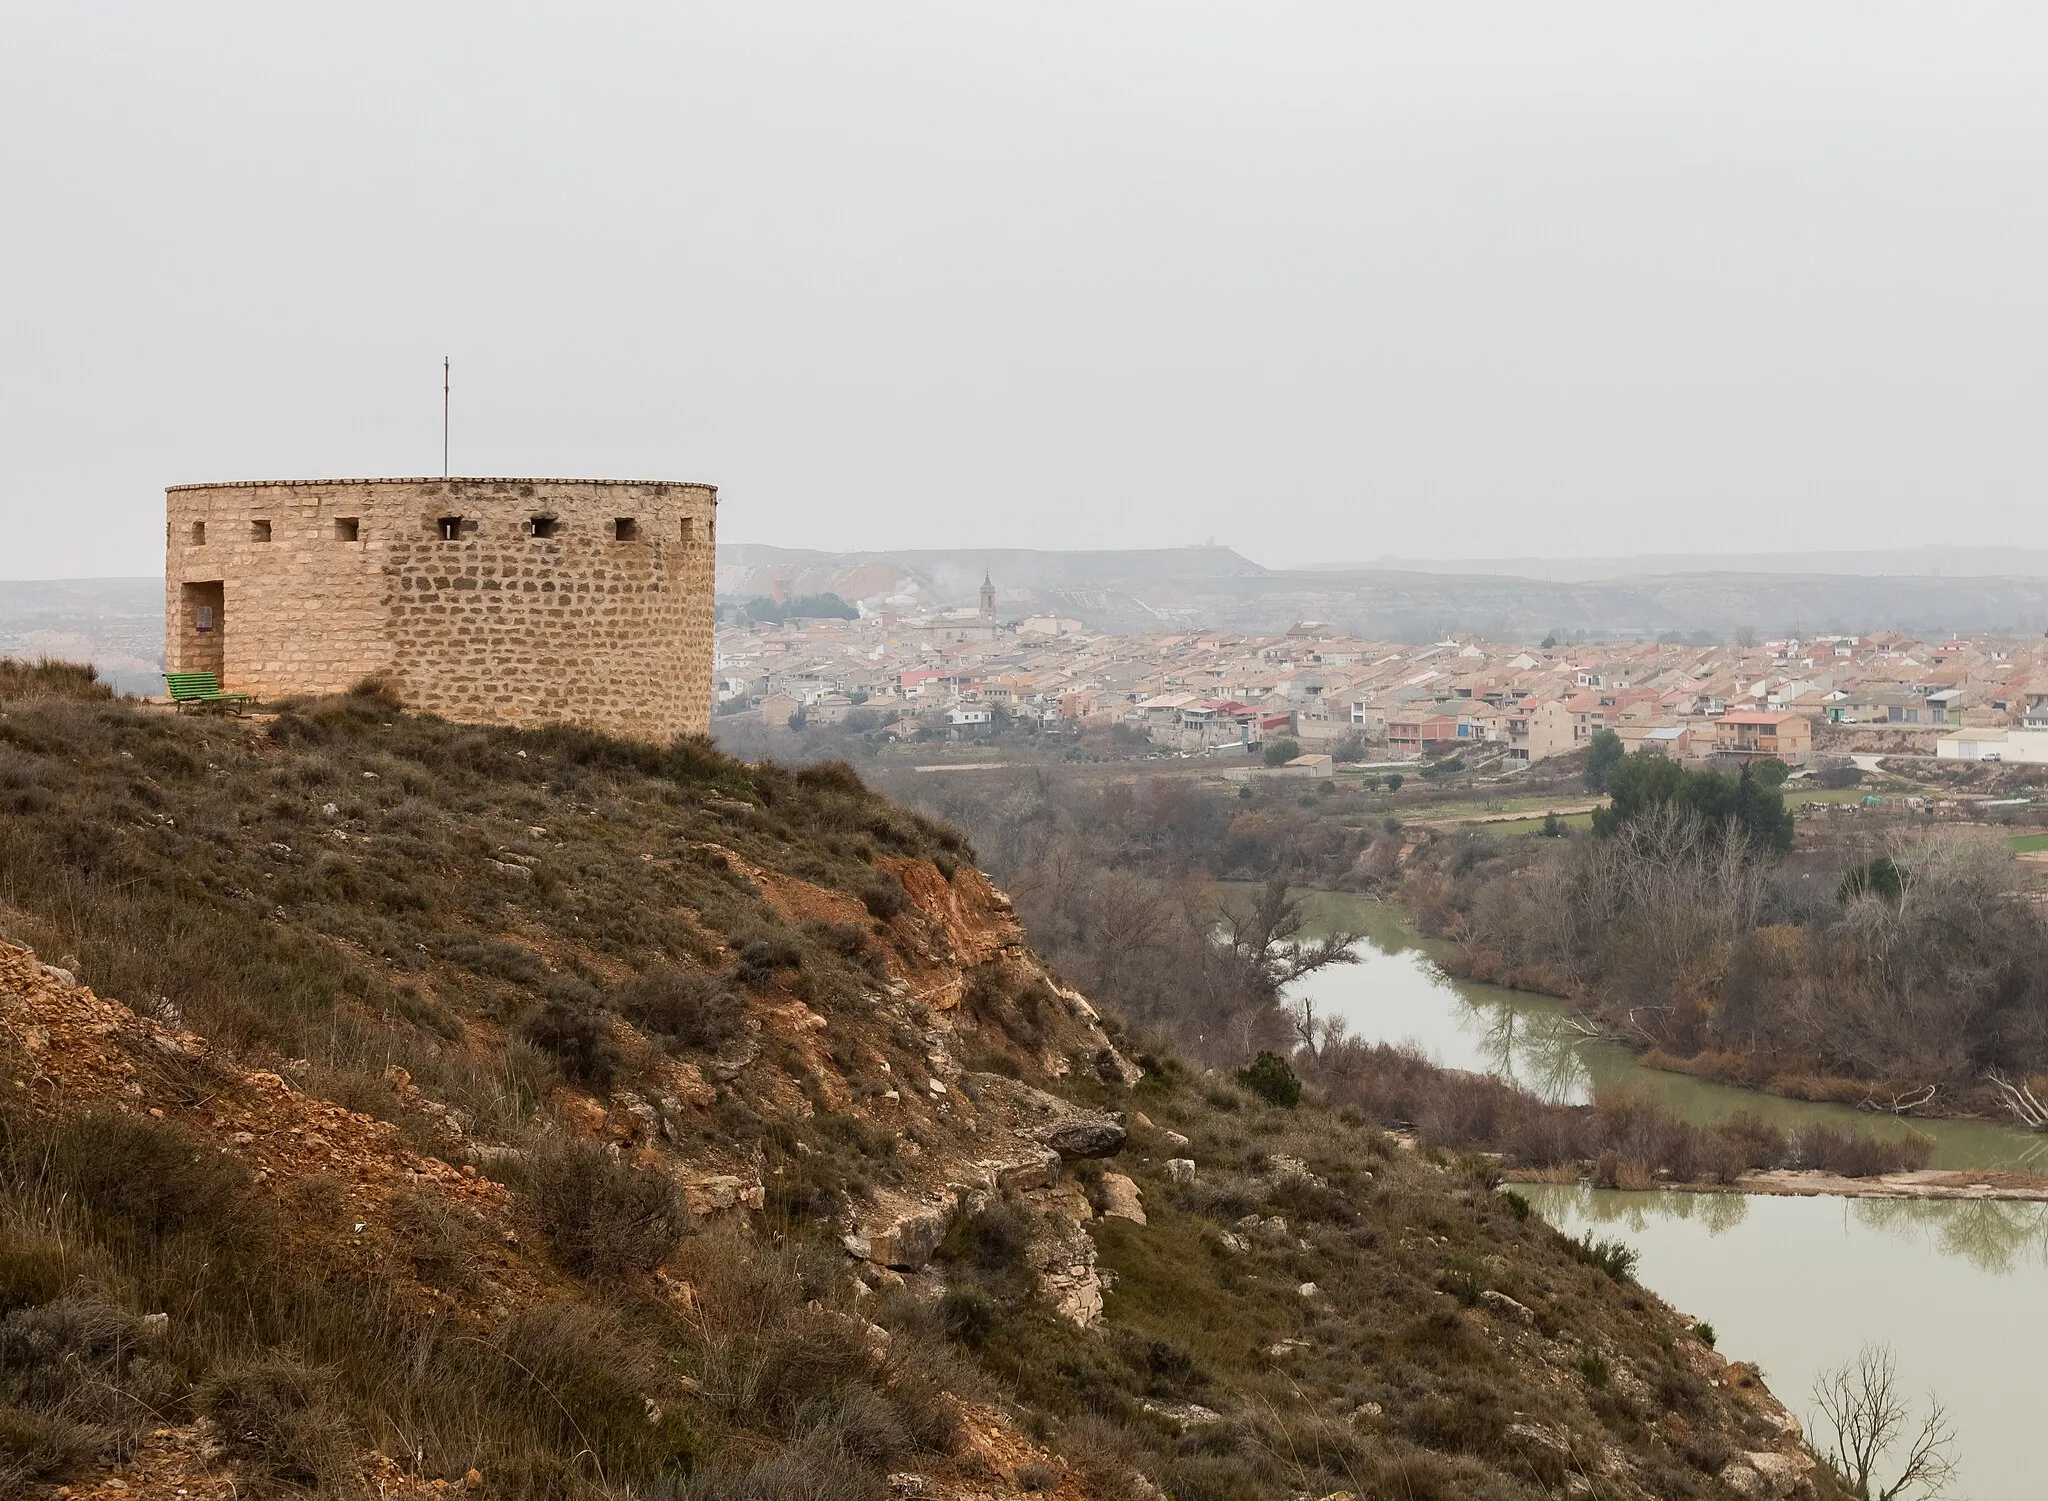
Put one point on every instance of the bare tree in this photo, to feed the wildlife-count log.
(1266, 938)
(1265, 948)
(1874, 1430)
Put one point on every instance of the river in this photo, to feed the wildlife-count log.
(1958, 1289)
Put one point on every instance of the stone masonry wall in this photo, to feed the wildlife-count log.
(540, 608)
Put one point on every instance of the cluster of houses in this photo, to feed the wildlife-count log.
(1217, 693)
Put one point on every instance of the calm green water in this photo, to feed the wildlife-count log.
(1959, 1290)
(1397, 994)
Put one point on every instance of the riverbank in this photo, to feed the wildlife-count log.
(1785, 1078)
(1796, 1271)
(1804, 1183)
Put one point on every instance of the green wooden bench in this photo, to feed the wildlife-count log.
(201, 689)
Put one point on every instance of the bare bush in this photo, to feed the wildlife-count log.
(1873, 1432)
(601, 1218)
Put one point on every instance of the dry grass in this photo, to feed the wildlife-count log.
(48, 678)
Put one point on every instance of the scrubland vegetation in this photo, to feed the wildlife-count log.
(495, 947)
(1110, 886)
(1901, 969)
(1915, 964)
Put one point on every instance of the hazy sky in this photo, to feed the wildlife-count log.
(1321, 280)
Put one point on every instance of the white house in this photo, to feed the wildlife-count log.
(2028, 746)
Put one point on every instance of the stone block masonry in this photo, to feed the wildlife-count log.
(492, 601)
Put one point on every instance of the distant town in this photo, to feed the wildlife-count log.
(967, 673)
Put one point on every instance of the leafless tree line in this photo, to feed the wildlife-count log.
(1691, 940)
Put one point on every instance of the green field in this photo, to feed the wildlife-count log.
(2022, 843)
(1469, 808)
(1535, 825)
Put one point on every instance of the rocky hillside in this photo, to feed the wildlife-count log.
(390, 1106)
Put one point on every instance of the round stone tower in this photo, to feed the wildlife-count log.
(496, 601)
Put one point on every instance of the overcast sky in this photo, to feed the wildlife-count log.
(1322, 281)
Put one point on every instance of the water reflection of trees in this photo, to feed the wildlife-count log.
(1539, 1049)
(1563, 1203)
(1993, 1235)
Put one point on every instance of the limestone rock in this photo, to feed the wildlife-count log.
(1181, 1170)
(1272, 1230)
(1040, 1169)
(1507, 1307)
(1535, 1436)
(1113, 1067)
(1767, 1473)
(1081, 1136)
(721, 1192)
(906, 1242)
(1293, 1170)
(1123, 1199)
(1185, 1415)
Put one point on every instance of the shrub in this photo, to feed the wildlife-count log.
(1857, 1155)
(134, 1174)
(815, 1471)
(584, 1378)
(281, 1418)
(48, 678)
(601, 1218)
(1271, 1078)
(38, 1446)
(991, 1239)
(1280, 752)
(970, 1315)
(578, 1038)
(1616, 1258)
(1464, 1278)
(53, 1354)
(438, 1237)
(764, 949)
(1883, 878)
(690, 1008)
(30, 1273)
(1704, 1333)
(883, 896)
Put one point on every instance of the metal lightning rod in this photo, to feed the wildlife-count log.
(444, 416)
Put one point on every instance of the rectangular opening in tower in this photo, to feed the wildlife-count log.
(348, 529)
(259, 531)
(199, 534)
(203, 628)
(544, 526)
(689, 529)
(625, 529)
(450, 528)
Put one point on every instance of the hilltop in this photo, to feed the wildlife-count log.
(1216, 589)
(391, 1105)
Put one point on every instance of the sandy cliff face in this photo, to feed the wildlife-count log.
(982, 1136)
